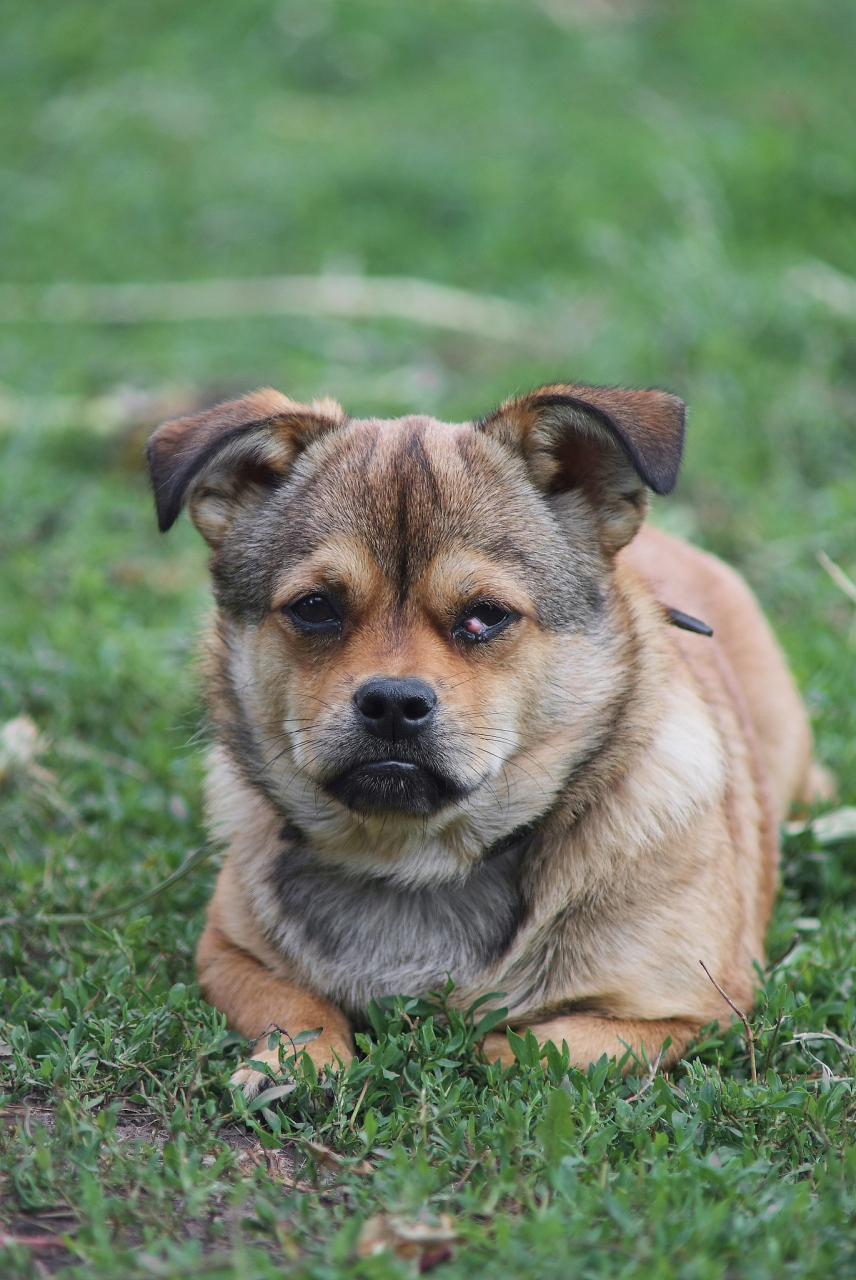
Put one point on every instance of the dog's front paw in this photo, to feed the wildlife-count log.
(325, 1052)
(251, 1081)
(328, 1051)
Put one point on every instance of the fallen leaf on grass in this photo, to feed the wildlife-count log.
(423, 1242)
(329, 1159)
(830, 828)
(20, 743)
(249, 1157)
(279, 1167)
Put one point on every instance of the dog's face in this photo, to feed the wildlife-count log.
(417, 636)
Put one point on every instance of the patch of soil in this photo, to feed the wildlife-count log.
(40, 1229)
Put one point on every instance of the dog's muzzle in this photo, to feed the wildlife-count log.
(394, 771)
(394, 786)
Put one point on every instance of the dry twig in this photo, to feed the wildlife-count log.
(838, 576)
(34, 1242)
(801, 1036)
(750, 1039)
(646, 1085)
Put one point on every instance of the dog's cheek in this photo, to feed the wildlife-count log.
(501, 705)
(543, 688)
(270, 688)
(315, 707)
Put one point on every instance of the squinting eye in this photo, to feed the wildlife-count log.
(482, 622)
(315, 613)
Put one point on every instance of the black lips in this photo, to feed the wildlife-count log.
(394, 786)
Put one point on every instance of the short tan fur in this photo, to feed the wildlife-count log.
(456, 732)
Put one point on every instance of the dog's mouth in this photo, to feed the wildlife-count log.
(394, 786)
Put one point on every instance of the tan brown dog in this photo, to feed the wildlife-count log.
(457, 732)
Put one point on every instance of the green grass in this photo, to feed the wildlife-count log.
(662, 173)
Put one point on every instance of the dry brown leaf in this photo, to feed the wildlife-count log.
(327, 1158)
(249, 1157)
(422, 1241)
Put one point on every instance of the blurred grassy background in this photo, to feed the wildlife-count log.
(669, 186)
(659, 181)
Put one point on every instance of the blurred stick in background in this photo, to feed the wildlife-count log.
(353, 297)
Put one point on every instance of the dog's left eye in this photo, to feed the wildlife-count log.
(315, 613)
(482, 622)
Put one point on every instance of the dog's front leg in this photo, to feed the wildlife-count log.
(256, 1001)
(589, 1036)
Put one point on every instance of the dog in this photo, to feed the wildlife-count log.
(469, 720)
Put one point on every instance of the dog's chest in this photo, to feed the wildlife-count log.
(359, 938)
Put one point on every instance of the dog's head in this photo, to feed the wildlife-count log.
(417, 635)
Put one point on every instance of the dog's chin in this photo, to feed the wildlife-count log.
(394, 786)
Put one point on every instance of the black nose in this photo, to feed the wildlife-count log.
(395, 709)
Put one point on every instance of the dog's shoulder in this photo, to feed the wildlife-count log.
(747, 653)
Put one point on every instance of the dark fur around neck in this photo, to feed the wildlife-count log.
(362, 936)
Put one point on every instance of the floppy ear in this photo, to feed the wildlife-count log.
(604, 442)
(225, 459)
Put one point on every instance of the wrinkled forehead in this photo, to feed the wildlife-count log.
(410, 489)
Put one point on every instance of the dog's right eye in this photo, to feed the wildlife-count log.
(315, 614)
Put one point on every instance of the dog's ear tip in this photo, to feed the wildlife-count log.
(676, 408)
(166, 507)
(159, 477)
(663, 483)
(166, 517)
(664, 467)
